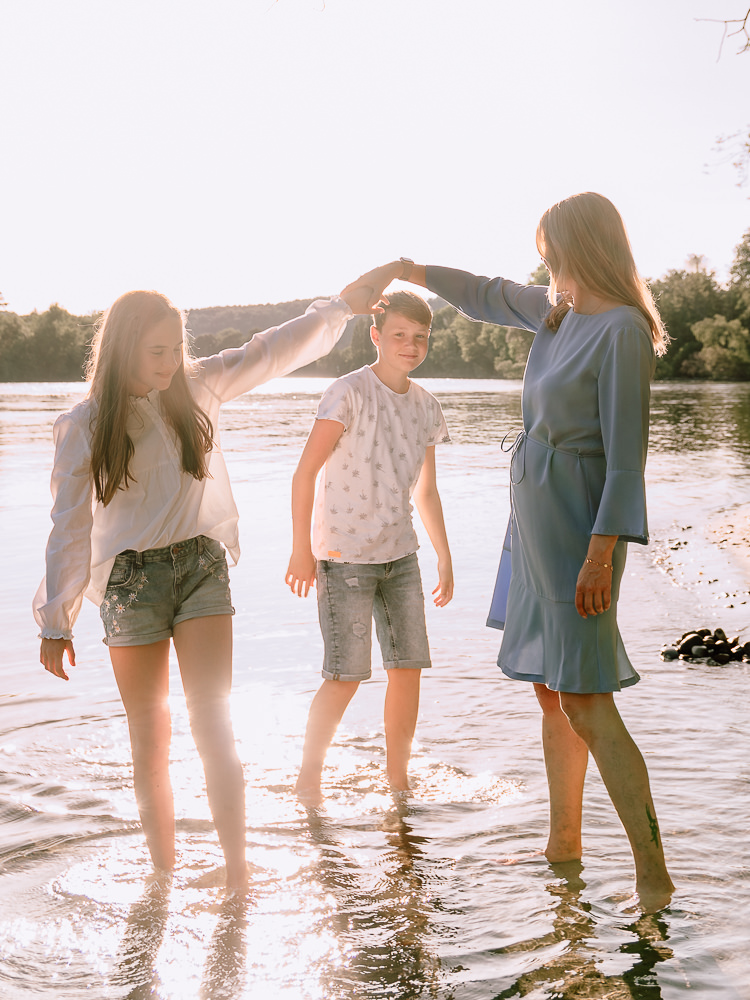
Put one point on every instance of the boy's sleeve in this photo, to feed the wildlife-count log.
(439, 430)
(337, 403)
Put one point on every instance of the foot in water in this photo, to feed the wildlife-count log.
(309, 794)
(648, 900)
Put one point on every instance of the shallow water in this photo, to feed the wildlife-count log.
(361, 902)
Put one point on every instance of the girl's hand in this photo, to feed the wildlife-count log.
(593, 589)
(51, 656)
(363, 295)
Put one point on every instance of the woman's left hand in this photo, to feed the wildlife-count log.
(593, 589)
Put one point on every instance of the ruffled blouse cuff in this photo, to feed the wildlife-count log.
(56, 633)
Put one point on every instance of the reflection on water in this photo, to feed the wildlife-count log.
(575, 970)
(381, 917)
(700, 417)
(360, 900)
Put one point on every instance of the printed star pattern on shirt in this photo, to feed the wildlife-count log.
(362, 508)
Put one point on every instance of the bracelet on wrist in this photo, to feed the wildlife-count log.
(595, 562)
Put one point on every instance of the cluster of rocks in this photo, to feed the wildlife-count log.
(712, 647)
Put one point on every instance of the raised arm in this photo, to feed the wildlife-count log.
(427, 501)
(300, 574)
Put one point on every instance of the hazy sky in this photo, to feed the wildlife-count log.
(237, 151)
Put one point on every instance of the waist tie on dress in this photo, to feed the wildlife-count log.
(513, 449)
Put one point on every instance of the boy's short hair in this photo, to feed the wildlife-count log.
(407, 304)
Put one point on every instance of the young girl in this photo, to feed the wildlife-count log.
(142, 512)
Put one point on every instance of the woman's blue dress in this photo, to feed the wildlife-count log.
(577, 470)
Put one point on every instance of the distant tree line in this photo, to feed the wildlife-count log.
(709, 324)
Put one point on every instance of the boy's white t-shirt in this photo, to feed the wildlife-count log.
(362, 507)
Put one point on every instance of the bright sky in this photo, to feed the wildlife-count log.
(239, 151)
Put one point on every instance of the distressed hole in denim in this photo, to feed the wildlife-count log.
(352, 582)
(359, 630)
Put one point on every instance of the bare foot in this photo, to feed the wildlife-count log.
(309, 793)
(523, 858)
(650, 899)
(216, 878)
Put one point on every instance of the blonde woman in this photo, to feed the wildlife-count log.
(143, 511)
(578, 498)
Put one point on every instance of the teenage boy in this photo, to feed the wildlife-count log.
(375, 432)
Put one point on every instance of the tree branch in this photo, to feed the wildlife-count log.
(743, 30)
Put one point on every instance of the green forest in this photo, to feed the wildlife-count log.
(708, 322)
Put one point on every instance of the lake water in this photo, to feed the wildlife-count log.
(359, 902)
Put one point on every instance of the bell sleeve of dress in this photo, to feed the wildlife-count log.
(490, 300)
(624, 395)
(275, 352)
(59, 597)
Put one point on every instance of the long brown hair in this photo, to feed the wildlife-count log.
(584, 238)
(109, 369)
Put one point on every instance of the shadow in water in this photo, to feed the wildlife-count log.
(225, 970)
(573, 974)
(135, 976)
(135, 962)
(383, 915)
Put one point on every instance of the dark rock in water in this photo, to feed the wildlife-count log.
(701, 645)
(688, 642)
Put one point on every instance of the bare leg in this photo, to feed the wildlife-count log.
(565, 758)
(204, 652)
(400, 715)
(142, 675)
(597, 721)
(326, 711)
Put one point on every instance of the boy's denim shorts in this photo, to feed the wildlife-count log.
(350, 595)
(152, 591)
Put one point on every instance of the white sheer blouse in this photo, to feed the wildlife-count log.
(163, 504)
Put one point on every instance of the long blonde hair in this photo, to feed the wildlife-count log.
(583, 237)
(109, 369)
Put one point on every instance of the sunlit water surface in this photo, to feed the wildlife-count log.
(361, 902)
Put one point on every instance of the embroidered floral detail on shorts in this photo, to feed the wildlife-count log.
(217, 571)
(114, 601)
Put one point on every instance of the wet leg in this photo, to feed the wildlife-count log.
(142, 676)
(400, 717)
(565, 759)
(326, 711)
(596, 720)
(204, 653)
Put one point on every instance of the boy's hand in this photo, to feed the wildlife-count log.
(363, 295)
(444, 589)
(51, 656)
(300, 575)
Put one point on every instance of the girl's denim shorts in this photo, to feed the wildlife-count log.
(152, 591)
(350, 595)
